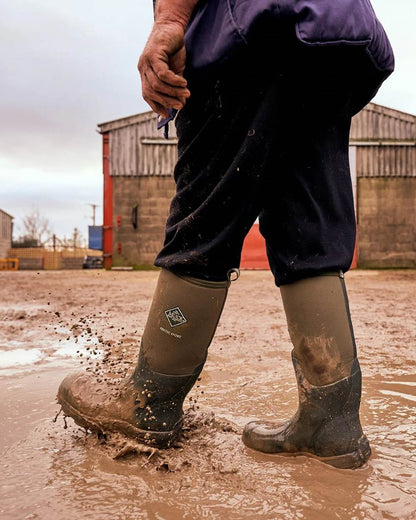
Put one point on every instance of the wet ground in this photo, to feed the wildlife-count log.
(55, 322)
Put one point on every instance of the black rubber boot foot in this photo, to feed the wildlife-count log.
(254, 440)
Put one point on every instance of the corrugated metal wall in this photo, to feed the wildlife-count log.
(385, 141)
(137, 148)
(123, 151)
(157, 156)
(386, 161)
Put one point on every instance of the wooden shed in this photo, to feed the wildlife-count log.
(138, 186)
(6, 229)
(383, 166)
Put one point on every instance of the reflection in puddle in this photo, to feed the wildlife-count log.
(214, 475)
(19, 358)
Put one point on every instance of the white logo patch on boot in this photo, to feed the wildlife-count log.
(175, 317)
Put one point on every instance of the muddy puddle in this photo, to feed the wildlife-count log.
(48, 320)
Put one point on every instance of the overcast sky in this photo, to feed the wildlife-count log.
(67, 66)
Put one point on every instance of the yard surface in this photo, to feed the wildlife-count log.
(55, 322)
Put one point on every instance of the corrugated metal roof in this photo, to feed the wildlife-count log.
(136, 119)
(379, 123)
(5, 213)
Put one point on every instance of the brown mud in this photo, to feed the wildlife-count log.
(54, 322)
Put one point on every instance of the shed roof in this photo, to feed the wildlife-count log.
(374, 123)
(7, 214)
(122, 122)
(378, 124)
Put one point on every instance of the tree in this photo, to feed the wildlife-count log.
(36, 229)
(75, 241)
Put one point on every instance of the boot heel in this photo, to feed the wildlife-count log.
(353, 460)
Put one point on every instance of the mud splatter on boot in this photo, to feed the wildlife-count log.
(147, 406)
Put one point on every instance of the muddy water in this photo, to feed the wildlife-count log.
(50, 472)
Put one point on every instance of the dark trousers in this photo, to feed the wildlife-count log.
(267, 138)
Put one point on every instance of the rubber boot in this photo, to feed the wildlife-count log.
(149, 404)
(326, 424)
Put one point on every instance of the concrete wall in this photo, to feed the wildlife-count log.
(68, 262)
(386, 213)
(387, 222)
(31, 263)
(5, 244)
(152, 196)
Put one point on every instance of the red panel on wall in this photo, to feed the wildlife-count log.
(253, 255)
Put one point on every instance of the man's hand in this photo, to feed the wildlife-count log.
(161, 66)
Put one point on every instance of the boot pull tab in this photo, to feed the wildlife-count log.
(233, 275)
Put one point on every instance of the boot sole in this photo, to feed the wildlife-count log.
(353, 460)
(156, 439)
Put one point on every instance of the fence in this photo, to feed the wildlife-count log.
(37, 258)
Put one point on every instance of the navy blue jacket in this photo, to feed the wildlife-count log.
(220, 28)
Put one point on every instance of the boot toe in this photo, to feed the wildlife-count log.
(75, 397)
(66, 388)
(260, 436)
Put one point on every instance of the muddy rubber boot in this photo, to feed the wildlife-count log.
(326, 424)
(148, 405)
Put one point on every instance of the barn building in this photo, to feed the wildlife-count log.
(138, 185)
(6, 229)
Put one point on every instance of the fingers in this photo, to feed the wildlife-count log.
(166, 75)
(157, 108)
(154, 81)
(161, 104)
(162, 88)
(159, 95)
